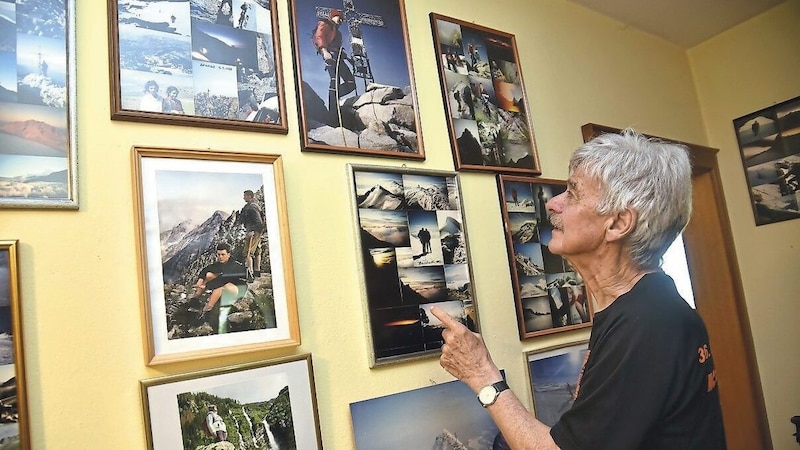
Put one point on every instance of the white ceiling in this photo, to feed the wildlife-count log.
(682, 22)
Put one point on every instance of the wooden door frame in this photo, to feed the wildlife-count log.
(719, 299)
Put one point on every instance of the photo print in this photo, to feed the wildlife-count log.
(269, 404)
(37, 124)
(355, 81)
(217, 267)
(196, 62)
(769, 144)
(554, 375)
(442, 416)
(549, 294)
(414, 255)
(484, 96)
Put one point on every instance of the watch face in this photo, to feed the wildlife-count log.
(487, 395)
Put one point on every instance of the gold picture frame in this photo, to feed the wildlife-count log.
(187, 206)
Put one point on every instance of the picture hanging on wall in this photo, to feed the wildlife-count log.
(484, 96)
(268, 404)
(554, 375)
(197, 63)
(38, 156)
(14, 426)
(414, 255)
(216, 261)
(355, 83)
(550, 295)
(769, 144)
(442, 416)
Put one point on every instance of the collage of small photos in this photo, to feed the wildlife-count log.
(415, 256)
(484, 97)
(34, 130)
(549, 293)
(199, 58)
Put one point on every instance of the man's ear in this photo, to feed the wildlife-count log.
(621, 224)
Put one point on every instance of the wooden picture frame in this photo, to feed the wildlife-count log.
(38, 138)
(15, 427)
(769, 144)
(554, 377)
(487, 109)
(268, 403)
(413, 254)
(188, 205)
(376, 112)
(195, 63)
(549, 294)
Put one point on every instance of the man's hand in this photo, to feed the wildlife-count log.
(464, 354)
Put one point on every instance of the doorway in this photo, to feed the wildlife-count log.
(719, 299)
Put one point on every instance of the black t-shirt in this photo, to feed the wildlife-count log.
(649, 380)
(231, 272)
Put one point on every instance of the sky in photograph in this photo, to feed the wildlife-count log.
(384, 45)
(253, 390)
(195, 196)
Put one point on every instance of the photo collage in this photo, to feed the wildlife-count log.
(415, 256)
(549, 293)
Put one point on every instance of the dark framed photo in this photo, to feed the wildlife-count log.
(554, 375)
(413, 250)
(769, 144)
(550, 295)
(266, 404)
(484, 96)
(197, 63)
(442, 416)
(355, 82)
(14, 426)
(215, 253)
(38, 144)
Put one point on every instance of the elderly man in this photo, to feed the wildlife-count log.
(648, 380)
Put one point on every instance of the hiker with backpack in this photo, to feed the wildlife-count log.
(215, 425)
(253, 221)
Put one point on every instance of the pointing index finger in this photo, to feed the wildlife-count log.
(446, 319)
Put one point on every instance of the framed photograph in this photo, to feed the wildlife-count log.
(14, 426)
(442, 416)
(355, 83)
(414, 255)
(267, 404)
(484, 97)
(769, 144)
(215, 254)
(38, 156)
(197, 63)
(554, 374)
(549, 293)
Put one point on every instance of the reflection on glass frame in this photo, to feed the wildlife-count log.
(197, 63)
(554, 377)
(269, 404)
(366, 102)
(769, 144)
(444, 415)
(484, 97)
(14, 428)
(38, 157)
(549, 294)
(413, 249)
(217, 278)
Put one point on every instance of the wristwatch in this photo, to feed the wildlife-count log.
(488, 394)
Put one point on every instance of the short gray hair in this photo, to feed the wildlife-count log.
(647, 175)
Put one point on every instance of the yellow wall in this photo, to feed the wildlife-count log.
(82, 322)
(743, 70)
